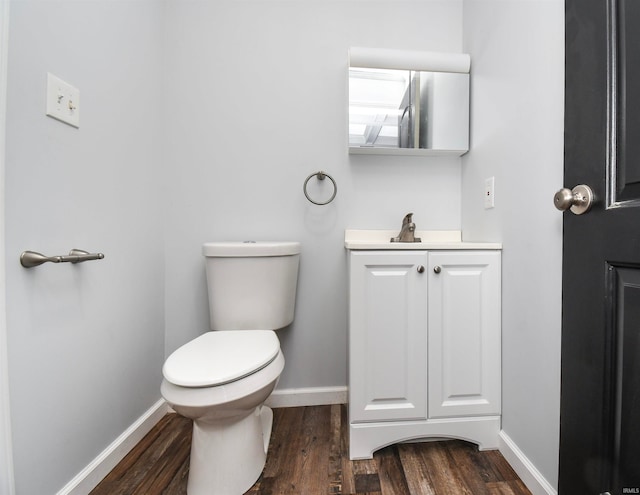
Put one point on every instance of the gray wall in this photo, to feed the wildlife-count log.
(517, 53)
(261, 103)
(86, 342)
(155, 169)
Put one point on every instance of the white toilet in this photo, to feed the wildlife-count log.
(221, 379)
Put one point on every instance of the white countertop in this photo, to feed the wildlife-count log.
(431, 239)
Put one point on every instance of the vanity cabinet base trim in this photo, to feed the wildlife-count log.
(366, 438)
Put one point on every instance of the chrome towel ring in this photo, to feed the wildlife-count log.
(320, 176)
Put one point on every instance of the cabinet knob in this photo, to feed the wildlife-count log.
(437, 269)
(420, 269)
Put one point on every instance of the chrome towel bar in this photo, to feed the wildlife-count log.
(29, 259)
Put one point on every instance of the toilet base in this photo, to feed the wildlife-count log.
(228, 457)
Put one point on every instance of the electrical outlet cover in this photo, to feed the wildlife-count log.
(489, 193)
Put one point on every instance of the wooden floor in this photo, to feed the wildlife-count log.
(308, 455)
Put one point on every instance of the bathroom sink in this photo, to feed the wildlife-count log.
(430, 239)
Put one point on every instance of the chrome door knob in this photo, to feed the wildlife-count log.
(578, 200)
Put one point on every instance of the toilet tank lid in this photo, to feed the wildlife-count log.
(250, 248)
(224, 356)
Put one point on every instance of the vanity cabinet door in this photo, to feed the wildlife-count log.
(387, 336)
(464, 333)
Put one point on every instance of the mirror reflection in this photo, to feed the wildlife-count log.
(406, 109)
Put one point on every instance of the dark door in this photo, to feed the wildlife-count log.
(600, 404)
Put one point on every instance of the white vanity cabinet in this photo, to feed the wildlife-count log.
(424, 346)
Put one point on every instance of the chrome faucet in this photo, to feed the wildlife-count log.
(407, 232)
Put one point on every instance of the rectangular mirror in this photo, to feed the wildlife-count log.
(407, 111)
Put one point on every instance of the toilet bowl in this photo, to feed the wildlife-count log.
(231, 425)
(222, 378)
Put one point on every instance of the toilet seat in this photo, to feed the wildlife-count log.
(220, 357)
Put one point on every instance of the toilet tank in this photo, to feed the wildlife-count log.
(251, 285)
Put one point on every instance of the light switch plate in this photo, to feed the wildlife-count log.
(489, 192)
(63, 101)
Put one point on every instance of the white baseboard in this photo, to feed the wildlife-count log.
(87, 479)
(524, 468)
(313, 396)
